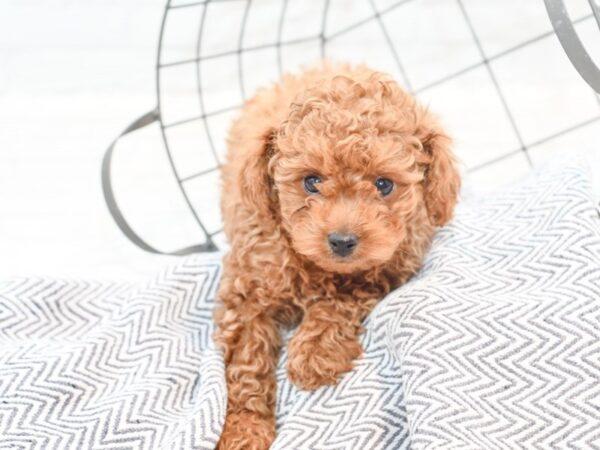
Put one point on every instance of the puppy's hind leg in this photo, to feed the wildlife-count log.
(251, 342)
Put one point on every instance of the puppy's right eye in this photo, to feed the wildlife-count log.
(384, 185)
(310, 183)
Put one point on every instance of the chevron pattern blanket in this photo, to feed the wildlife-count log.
(494, 344)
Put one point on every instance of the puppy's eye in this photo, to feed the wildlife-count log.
(384, 186)
(310, 183)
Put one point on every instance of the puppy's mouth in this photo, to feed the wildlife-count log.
(348, 253)
(344, 252)
(343, 263)
(344, 257)
(341, 266)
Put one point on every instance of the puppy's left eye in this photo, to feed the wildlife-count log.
(310, 183)
(384, 186)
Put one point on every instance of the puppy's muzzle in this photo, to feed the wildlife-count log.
(342, 244)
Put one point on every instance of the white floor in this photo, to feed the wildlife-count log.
(74, 73)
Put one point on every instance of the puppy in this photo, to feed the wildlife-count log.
(334, 183)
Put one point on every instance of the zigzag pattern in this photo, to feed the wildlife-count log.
(494, 344)
(103, 366)
(499, 339)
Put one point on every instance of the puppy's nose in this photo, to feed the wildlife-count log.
(342, 244)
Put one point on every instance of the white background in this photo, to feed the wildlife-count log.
(74, 73)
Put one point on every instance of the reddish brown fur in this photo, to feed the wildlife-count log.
(350, 126)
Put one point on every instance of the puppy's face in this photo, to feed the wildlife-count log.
(358, 169)
(346, 203)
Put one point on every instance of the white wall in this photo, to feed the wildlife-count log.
(74, 73)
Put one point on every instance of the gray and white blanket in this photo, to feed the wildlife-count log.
(494, 344)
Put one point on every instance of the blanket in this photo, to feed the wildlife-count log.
(495, 343)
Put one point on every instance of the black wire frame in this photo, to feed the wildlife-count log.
(180, 180)
(322, 39)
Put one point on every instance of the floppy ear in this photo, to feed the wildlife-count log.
(442, 180)
(256, 183)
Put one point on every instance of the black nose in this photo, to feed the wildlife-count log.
(342, 244)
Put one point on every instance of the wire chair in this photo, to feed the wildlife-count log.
(194, 61)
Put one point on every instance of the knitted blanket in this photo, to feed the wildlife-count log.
(494, 344)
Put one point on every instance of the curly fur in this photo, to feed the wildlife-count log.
(348, 125)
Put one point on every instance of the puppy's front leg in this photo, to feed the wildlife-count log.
(325, 344)
(250, 340)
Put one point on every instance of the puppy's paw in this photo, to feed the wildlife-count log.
(312, 364)
(247, 431)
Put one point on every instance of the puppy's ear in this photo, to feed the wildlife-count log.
(442, 180)
(257, 185)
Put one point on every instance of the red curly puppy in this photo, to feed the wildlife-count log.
(334, 183)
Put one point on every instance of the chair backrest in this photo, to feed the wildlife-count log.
(493, 71)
